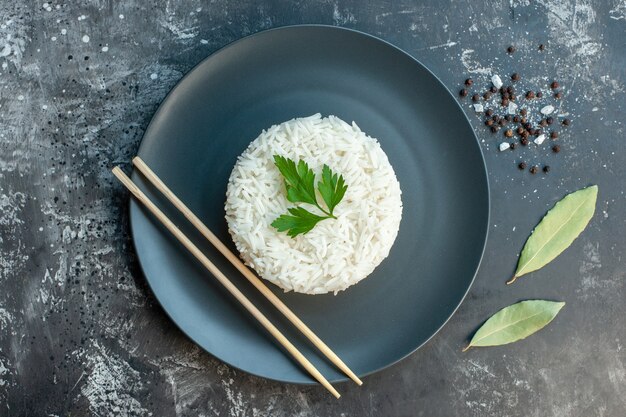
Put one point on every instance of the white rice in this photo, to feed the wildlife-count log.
(337, 253)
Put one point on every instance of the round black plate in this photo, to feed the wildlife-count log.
(223, 104)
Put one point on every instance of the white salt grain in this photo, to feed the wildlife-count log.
(478, 107)
(540, 139)
(497, 82)
(547, 110)
(6, 51)
(512, 108)
(504, 146)
(86, 38)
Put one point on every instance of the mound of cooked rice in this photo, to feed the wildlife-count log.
(337, 253)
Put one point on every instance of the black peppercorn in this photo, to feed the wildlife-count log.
(506, 94)
(539, 94)
(520, 130)
(523, 141)
(554, 135)
(513, 145)
(508, 133)
(546, 168)
(522, 165)
(516, 119)
(510, 89)
(487, 96)
(533, 169)
(554, 85)
(550, 120)
(512, 97)
(505, 102)
(469, 82)
(523, 112)
(489, 113)
(525, 134)
(566, 122)
(530, 95)
(508, 117)
(558, 95)
(494, 129)
(556, 149)
(463, 92)
(489, 122)
(475, 97)
(502, 122)
(493, 89)
(543, 123)
(538, 132)
(515, 76)
(542, 47)
(510, 49)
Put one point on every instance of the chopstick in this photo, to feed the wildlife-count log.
(236, 262)
(265, 322)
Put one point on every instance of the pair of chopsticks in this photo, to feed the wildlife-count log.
(202, 228)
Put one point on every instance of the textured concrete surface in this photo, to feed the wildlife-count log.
(80, 333)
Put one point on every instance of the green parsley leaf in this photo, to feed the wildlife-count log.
(301, 221)
(298, 180)
(331, 188)
(300, 187)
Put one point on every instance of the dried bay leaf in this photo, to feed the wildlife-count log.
(557, 230)
(515, 322)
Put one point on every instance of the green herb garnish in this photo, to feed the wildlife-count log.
(300, 186)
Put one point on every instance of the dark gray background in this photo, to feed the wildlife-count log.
(80, 334)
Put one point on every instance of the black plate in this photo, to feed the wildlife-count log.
(223, 104)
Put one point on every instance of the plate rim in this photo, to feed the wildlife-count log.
(135, 174)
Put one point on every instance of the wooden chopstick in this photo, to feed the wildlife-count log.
(193, 219)
(265, 322)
